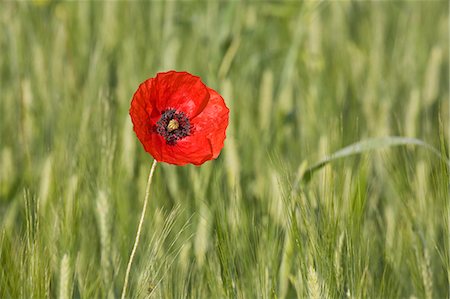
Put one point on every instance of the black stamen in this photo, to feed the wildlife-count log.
(183, 130)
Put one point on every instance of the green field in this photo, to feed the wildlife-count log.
(302, 80)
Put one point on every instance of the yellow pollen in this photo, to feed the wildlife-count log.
(173, 125)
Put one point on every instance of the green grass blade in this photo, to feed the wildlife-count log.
(366, 146)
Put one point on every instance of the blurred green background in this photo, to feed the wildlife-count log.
(301, 80)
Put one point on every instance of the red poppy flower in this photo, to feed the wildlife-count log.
(178, 119)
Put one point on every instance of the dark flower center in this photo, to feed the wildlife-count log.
(173, 126)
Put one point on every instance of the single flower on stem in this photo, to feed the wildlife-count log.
(179, 120)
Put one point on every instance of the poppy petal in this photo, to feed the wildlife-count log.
(140, 111)
(141, 97)
(181, 91)
(213, 121)
(192, 149)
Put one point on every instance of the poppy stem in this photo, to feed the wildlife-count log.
(138, 234)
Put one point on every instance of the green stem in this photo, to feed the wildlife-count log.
(138, 234)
